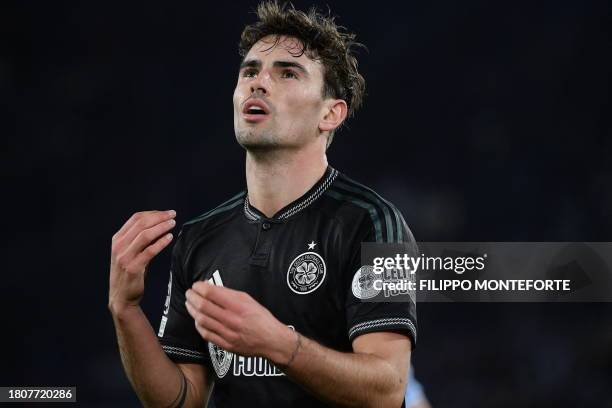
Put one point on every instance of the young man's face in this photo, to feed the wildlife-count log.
(278, 100)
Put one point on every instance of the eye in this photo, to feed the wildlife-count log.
(289, 74)
(249, 73)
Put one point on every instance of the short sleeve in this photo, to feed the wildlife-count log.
(177, 333)
(368, 309)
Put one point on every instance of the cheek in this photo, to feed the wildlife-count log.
(304, 102)
(236, 98)
(241, 92)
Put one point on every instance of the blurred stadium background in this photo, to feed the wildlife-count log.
(484, 121)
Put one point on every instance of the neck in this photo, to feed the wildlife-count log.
(277, 178)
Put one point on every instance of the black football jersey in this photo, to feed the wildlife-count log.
(301, 264)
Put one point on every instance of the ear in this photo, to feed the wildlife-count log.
(335, 112)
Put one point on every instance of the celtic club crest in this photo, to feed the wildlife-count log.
(221, 359)
(306, 273)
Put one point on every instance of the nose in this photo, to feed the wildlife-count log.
(261, 83)
(258, 88)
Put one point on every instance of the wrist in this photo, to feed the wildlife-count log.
(121, 310)
(283, 347)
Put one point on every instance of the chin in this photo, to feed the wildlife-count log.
(253, 140)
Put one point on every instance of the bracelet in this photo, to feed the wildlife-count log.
(298, 343)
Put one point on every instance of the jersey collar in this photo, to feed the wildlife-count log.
(298, 205)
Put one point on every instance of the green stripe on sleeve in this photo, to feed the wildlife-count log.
(369, 207)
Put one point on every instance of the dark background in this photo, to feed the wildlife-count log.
(484, 121)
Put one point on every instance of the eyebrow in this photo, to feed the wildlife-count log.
(255, 63)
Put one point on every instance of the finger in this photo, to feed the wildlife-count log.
(225, 298)
(147, 236)
(144, 257)
(190, 309)
(206, 333)
(215, 338)
(145, 221)
(206, 307)
(128, 224)
(210, 324)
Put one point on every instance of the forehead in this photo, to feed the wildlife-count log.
(273, 48)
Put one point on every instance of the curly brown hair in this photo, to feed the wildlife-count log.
(321, 39)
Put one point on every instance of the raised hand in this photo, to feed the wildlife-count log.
(138, 241)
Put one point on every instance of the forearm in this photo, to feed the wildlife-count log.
(157, 380)
(345, 379)
(373, 375)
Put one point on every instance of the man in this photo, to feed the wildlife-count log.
(264, 305)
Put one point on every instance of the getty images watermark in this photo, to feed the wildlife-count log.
(485, 272)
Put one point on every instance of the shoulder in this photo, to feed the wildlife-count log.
(215, 216)
(358, 204)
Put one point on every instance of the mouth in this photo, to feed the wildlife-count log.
(255, 110)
